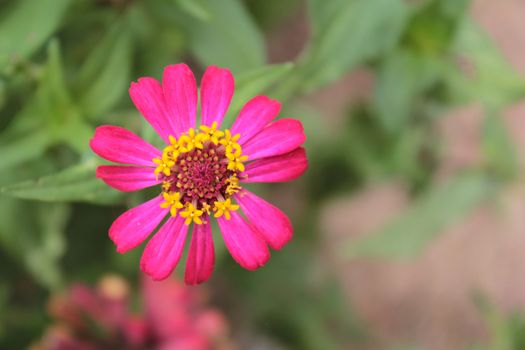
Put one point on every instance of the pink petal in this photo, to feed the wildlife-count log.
(122, 146)
(135, 330)
(244, 243)
(133, 226)
(279, 137)
(281, 168)
(127, 178)
(163, 251)
(190, 341)
(271, 222)
(166, 305)
(180, 91)
(201, 256)
(148, 97)
(216, 93)
(254, 116)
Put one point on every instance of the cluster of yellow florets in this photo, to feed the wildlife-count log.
(187, 142)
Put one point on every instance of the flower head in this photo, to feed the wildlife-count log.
(170, 317)
(202, 172)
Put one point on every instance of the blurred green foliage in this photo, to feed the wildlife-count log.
(65, 67)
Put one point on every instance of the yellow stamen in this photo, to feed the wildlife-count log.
(233, 185)
(192, 214)
(164, 164)
(224, 208)
(172, 201)
(206, 208)
(235, 161)
(189, 141)
(172, 149)
(211, 133)
(230, 142)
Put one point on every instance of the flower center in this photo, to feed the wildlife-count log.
(200, 173)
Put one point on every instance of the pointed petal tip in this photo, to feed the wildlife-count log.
(276, 138)
(152, 274)
(193, 282)
(201, 256)
(254, 116)
(282, 168)
(127, 178)
(245, 244)
(148, 97)
(180, 91)
(120, 145)
(133, 226)
(121, 249)
(164, 250)
(217, 88)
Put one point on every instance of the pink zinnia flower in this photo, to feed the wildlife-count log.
(170, 317)
(201, 172)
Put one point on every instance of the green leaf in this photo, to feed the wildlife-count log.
(255, 82)
(77, 183)
(348, 32)
(43, 258)
(54, 103)
(497, 146)
(3, 94)
(32, 234)
(27, 26)
(453, 8)
(24, 149)
(403, 77)
(499, 328)
(429, 215)
(104, 77)
(47, 118)
(195, 8)
(229, 38)
(434, 25)
(490, 78)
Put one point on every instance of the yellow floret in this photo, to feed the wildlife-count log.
(164, 164)
(235, 161)
(191, 140)
(233, 185)
(206, 208)
(230, 142)
(210, 133)
(224, 208)
(172, 201)
(192, 214)
(172, 149)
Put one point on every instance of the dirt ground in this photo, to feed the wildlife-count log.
(428, 301)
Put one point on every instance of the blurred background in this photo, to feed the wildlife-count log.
(409, 224)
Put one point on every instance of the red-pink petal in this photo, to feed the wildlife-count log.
(189, 341)
(166, 305)
(217, 87)
(132, 227)
(244, 243)
(122, 146)
(180, 91)
(254, 116)
(271, 222)
(163, 251)
(148, 97)
(281, 168)
(279, 137)
(201, 256)
(127, 178)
